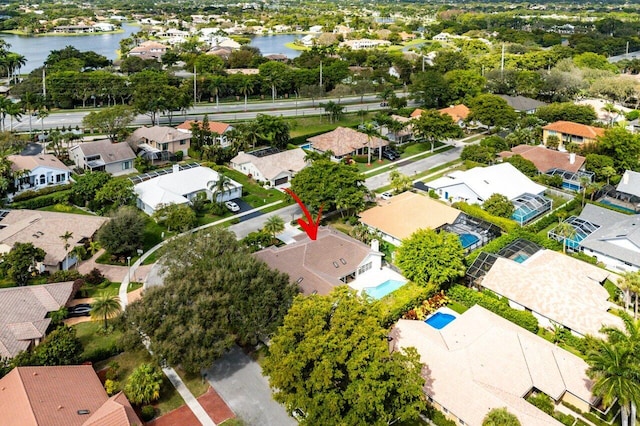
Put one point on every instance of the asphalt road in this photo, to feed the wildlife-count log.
(233, 111)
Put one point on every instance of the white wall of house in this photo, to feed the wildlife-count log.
(41, 177)
(611, 263)
(459, 192)
(230, 194)
(249, 168)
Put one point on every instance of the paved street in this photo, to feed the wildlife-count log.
(239, 381)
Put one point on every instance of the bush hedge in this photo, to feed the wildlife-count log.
(469, 297)
(60, 197)
(102, 353)
(504, 240)
(475, 210)
(394, 306)
(595, 419)
(27, 195)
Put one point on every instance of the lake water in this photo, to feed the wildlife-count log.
(36, 49)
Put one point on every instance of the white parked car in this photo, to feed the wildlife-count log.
(386, 195)
(232, 206)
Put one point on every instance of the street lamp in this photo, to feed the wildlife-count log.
(129, 269)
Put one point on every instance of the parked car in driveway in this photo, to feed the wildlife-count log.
(386, 195)
(390, 155)
(232, 206)
(81, 310)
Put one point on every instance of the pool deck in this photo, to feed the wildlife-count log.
(373, 278)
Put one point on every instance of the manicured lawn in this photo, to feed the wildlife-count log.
(457, 307)
(109, 288)
(153, 257)
(92, 338)
(419, 147)
(64, 208)
(196, 384)
(614, 291)
(301, 126)
(257, 195)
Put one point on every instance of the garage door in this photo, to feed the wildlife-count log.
(282, 180)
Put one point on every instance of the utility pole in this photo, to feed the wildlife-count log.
(502, 63)
(320, 73)
(195, 88)
(44, 84)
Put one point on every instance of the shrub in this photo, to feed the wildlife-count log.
(595, 419)
(94, 277)
(438, 418)
(469, 297)
(147, 413)
(402, 300)
(112, 370)
(542, 401)
(507, 225)
(61, 197)
(100, 354)
(565, 419)
(179, 155)
(62, 276)
(112, 387)
(433, 194)
(27, 195)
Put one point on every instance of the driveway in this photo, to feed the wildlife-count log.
(245, 207)
(239, 381)
(245, 227)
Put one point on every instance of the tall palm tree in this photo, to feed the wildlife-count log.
(370, 130)
(245, 88)
(274, 225)
(105, 306)
(66, 237)
(5, 105)
(616, 375)
(13, 111)
(566, 231)
(220, 186)
(79, 252)
(628, 283)
(216, 85)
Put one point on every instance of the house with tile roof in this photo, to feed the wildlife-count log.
(400, 216)
(44, 229)
(23, 315)
(480, 361)
(277, 169)
(614, 238)
(317, 266)
(158, 139)
(180, 187)
(458, 113)
(103, 155)
(557, 289)
(522, 103)
(70, 395)
(343, 142)
(149, 50)
(569, 132)
(38, 171)
(546, 159)
(217, 127)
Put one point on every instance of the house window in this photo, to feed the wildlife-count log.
(61, 178)
(126, 165)
(164, 146)
(43, 179)
(183, 142)
(364, 268)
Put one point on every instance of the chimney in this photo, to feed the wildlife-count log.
(375, 245)
(572, 158)
(176, 168)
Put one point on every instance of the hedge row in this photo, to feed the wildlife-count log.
(475, 210)
(406, 297)
(102, 353)
(470, 297)
(27, 195)
(61, 197)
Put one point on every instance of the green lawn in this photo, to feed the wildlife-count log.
(257, 196)
(92, 338)
(301, 126)
(108, 288)
(457, 307)
(64, 208)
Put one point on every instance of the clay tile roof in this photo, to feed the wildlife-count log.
(457, 112)
(546, 159)
(30, 162)
(417, 113)
(343, 141)
(52, 396)
(214, 126)
(575, 129)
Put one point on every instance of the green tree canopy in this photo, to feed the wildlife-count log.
(111, 120)
(87, 185)
(498, 205)
(492, 111)
(622, 146)
(332, 185)
(177, 217)
(566, 111)
(500, 417)
(20, 262)
(143, 385)
(214, 294)
(525, 166)
(122, 234)
(330, 359)
(430, 256)
(433, 126)
(116, 193)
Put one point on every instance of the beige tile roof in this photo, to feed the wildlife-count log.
(109, 152)
(30, 162)
(575, 129)
(343, 141)
(404, 214)
(273, 165)
(23, 311)
(159, 134)
(315, 261)
(559, 287)
(481, 361)
(52, 396)
(545, 159)
(43, 229)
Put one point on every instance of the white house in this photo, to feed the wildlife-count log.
(38, 171)
(364, 43)
(277, 169)
(315, 29)
(182, 186)
(104, 27)
(474, 186)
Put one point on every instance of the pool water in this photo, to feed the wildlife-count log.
(381, 290)
(439, 320)
(467, 240)
(520, 258)
(306, 146)
(609, 203)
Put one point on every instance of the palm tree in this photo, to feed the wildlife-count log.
(566, 231)
(13, 111)
(220, 186)
(370, 130)
(500, 417)
(630, 336)
(105, 306)
(608, 172)
(274, 225)
(245, 88)
(66, 237)
(94, 247)
(616, 375)
(216, 84)
(79, 252)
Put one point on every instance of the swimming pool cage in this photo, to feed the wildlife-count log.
(581, 230)
(572, 181)
(529, 206)
(465, 224)
(484, 261)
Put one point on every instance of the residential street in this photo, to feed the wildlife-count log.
(239, 381)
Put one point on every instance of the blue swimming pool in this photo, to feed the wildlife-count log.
(439, 320)
(520, 258)
(467, 240)
(306, 146)
(381, 290)
(625, 209)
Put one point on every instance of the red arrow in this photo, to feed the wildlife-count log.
(311, 226)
